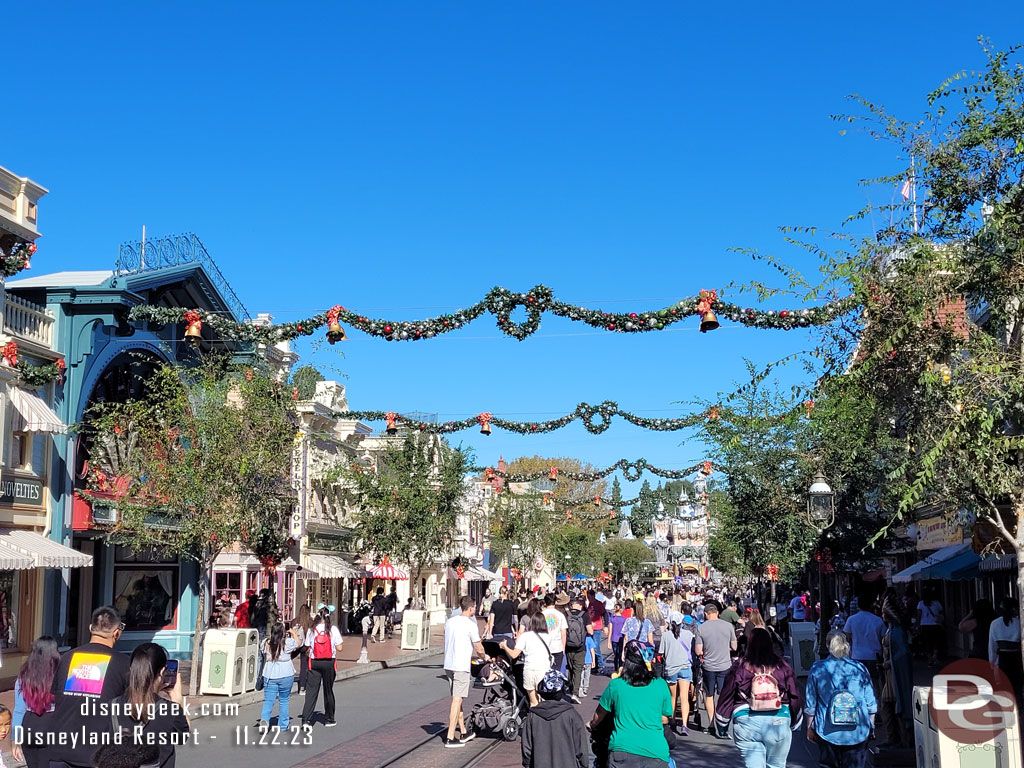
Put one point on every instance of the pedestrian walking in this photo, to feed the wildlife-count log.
(33, 697)
(638, 627)
(896, 708)
(279, 674)
(557, 627)
(676, 648)
(761, 700)
(379, 611)
(931, 619)
(77, 672)
(593, 653)
(323, 641)
(976, 624)
(715, 642)
(596, 609)
(501, 617)
(1004, 643)
(302, 622)
(554, 735)
(533, 646)
(578, 629)
(657, 619)
(242, 611)
(627, 727)
(461, 639)
(865, 631)
(151, 710)
(841, 706)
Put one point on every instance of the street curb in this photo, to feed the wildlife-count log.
(254, 697)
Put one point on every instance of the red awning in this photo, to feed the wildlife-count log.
(387, 571)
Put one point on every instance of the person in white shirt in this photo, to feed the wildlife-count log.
(461, 638)
(557, 627)
(798, 607)
(865, 631)
(323, 640)
(930, 618)
(533, 643)
(1004, 643)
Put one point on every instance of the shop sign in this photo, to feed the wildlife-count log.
(300, 470)
(21, 490)
(938, 532)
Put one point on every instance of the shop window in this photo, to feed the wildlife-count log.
(252, 581)
(287, 597)
(146, 596)
(230, 582)
(20, 446)
(8, 609)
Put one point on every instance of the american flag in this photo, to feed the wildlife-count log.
(905, 190)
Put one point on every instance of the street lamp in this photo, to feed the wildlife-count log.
(821, 502)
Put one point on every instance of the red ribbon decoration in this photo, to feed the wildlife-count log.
(707, 298)
(295, 393)
(484, 419)
(553, 473)
(706, 468)
(391, 418)
(489, 474)
(808, 406)
(713, 414)
(194, 320)
(597, 500)
(460, 571)
(333, 312)
(61, 367)
(10, 352)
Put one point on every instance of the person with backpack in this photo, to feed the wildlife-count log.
(578, 628)
(278, 674)
(761, 700)
(323, 640)
(841, 706)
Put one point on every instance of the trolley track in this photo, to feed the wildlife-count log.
(415, 756)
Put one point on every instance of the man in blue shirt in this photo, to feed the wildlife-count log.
(840, 705)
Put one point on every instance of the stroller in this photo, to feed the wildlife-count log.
(504, 706)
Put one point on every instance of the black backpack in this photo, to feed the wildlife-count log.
(576, 633)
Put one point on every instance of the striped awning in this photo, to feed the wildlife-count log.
(39, 551)
(387, 571)
(31, 414)
(332, 566)
(290, 566)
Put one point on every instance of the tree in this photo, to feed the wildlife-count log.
(305, 379)
(628, 557)
(202, 461)
(565, 489)
(520, 528)
(408, 504)
(612, 526)
(644, 511)
(573, 549)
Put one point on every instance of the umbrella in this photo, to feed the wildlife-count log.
(387, 571)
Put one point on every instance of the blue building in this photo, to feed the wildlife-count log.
(107, 357)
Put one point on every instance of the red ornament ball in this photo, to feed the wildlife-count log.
(611, 326)
(387, 329)
(784, 313)
(300, 329)
(633, 314)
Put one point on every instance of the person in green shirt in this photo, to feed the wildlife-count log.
(636, 705)
(730, 614)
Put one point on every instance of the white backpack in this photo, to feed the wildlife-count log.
(764, 692)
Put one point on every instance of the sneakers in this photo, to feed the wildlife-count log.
(574, 699)
(453, 743)
(264, 726)
(330, 723)
(468, 737)
(681, 730)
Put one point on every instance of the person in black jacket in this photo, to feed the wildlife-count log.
(554, 735)
(379, 611)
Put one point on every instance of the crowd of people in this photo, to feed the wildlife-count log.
(683, 659)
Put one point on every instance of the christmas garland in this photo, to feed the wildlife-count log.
(33, 375)
(18, 259)
(501, 302)
(631, 470)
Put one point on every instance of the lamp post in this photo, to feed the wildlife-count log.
(821, 503)
(513, 556)
(568, 559)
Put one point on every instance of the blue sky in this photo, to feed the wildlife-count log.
(402, 157)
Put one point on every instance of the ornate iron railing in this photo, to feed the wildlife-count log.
(136, 257)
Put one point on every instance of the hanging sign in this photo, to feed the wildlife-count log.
(300, 470)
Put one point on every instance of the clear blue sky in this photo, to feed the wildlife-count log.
(411, 155)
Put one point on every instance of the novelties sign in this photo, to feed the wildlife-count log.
(21, 490)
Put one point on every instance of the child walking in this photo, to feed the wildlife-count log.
(554, 735)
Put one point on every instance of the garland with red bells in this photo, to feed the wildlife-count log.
(501, 302)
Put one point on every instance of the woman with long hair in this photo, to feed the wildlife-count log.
(976, 624)
(1004, 643)
(278, 674)
(152, 703)
(677, 650)
(654, 615)
(535, 644)
(638, 627)
(632, 714)
(533, 607)
(323, 641)
(32, 697)
(302, 622)
(756, 621)
(761, 719)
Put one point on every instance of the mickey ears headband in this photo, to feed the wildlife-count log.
(324, 606)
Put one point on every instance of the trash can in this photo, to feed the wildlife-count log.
(415, 630)
(801, 638)
(252, 649)
(224, 660)
(924, 749)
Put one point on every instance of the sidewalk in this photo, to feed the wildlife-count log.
(382, 656)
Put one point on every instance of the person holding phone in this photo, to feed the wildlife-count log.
(278, 674)
(153, 700)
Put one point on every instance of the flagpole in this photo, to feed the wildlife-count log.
(913, 189)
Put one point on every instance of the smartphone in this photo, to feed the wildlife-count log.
(170, 673)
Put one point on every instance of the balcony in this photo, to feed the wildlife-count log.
(19, 198)
(28, 322)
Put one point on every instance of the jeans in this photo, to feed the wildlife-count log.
(277, 689)
(763, 740)
(323, 672)
(617, 653)
(576, 659)
(585, 681)
(379, 623)
(600, 653)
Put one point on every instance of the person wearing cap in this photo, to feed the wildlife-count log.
(677, 650)
(554, 735)
(635, 706)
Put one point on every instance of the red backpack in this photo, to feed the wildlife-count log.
(322, 645)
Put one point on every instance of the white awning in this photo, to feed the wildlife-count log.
(12, 559)
(913, 573)
(31, 414)
(41, 552)
(291, 566)
(332, 566)
(479, 573)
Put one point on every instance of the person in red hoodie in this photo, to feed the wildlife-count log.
(242, 611)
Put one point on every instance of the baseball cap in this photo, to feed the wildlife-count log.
(675, 617)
